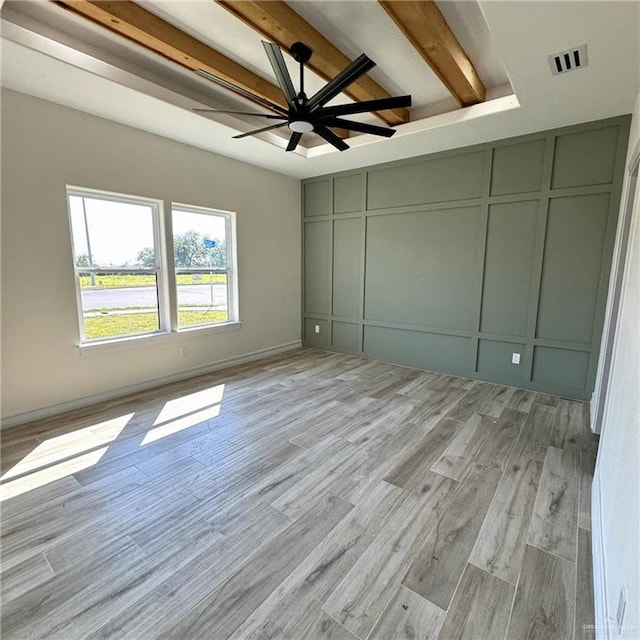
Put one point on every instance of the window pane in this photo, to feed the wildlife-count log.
(200, 242)
(115, 240)
(202, 299)
(112, 234)
(119, 304)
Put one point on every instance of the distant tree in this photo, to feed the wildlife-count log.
(147, 257)
(219, 255)
(82, 260)
(190, 252)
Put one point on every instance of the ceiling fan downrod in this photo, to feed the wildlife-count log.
(301, 54)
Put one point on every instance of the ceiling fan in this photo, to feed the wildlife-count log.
(304, 114)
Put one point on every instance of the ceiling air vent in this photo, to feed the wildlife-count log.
(570, 60)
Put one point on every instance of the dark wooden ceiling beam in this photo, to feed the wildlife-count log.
(427, 30)
(278, 22)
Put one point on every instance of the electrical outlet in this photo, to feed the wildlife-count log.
(317, 328)
(622, 607)
(515, 358)
(184, 352)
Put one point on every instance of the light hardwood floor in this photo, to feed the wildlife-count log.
(305, 497)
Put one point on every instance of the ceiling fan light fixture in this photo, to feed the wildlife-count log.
(304, 115)
(300, 126)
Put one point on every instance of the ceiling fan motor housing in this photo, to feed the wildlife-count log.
(300, 52)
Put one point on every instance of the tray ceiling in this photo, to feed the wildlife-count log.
(106, 74)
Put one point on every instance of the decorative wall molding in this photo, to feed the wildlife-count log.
(458, 261)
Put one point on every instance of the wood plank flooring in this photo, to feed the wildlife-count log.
(306, 497)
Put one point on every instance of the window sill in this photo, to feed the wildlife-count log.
(147, 339)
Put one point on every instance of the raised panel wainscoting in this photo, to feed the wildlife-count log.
(455, 261)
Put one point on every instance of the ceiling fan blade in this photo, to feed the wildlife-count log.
(274, 53)
(331, 137)
(242, 92)
(254, 132)
(293, 141)
(381, 104)
(363, 127)
(241, 113)
(348, 75)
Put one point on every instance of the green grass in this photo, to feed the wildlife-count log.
(193, 318)
(146, 280)
(112, 326)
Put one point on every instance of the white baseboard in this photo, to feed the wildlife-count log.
(599, 574)
(79, 403)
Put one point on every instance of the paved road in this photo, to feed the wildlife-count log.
(190, 294)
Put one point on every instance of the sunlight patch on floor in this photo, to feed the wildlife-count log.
(180, 424)
(69, 445)
(55, 472)
(83, 448)
(188, 404)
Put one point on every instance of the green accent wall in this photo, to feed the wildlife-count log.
(455, 261)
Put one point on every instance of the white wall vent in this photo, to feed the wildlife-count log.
(570, 60)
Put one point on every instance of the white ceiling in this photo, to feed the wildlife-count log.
(52, 54)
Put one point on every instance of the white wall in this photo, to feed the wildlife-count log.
(616, 525)
(47, 146)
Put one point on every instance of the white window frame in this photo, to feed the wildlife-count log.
(231, 271)
(164, 269)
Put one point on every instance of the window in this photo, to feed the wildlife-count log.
(119, 293)
(126, 263)
(202, 259)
